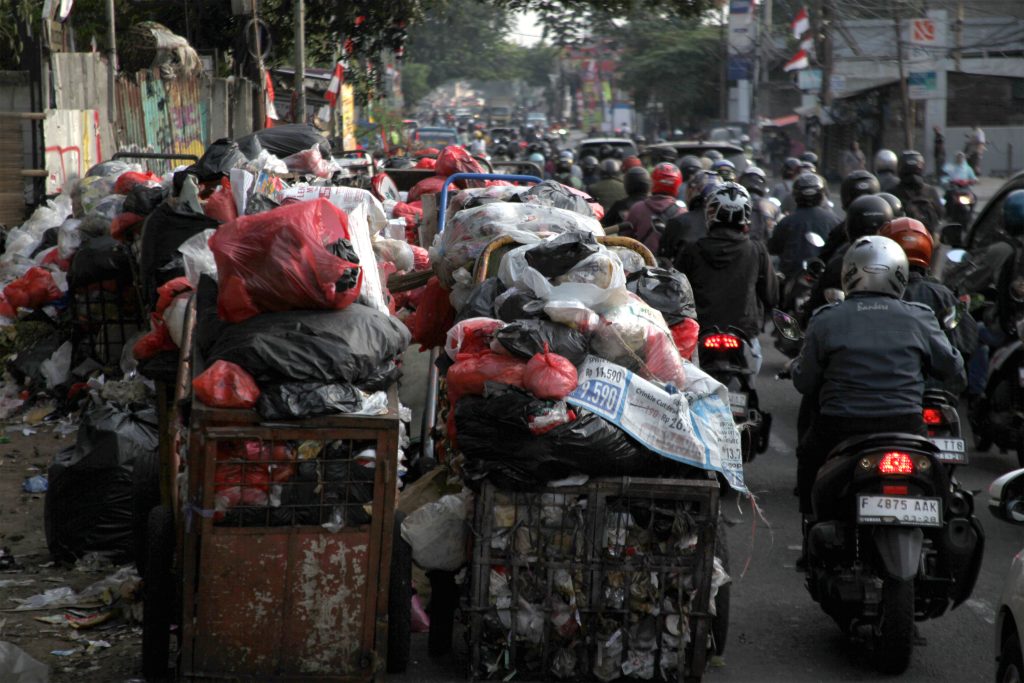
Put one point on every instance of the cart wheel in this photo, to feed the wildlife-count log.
(159, 593)
(720, 623)
(145, 497)
(444, 595)
(399, 602)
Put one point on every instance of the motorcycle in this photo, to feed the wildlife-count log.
(960, 202)
(796, 291)
(726, 356)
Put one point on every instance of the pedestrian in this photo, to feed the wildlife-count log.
(853, 159)
(939, 151)
(975, 148)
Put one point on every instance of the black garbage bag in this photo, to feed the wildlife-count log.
(143, 199)
(24, 368)
(306, 399)
(664, 289)
(164, 230)
(480, 303)
(347, 346)
(209, 325)
(283, 141)
(299, 497)
(98, 260)
(519, 305)
(348, 485)
(559, 255)
(217, 161)
(525, 338)
(557, 195)
(259, 203)
(382, 378)
(89, 502)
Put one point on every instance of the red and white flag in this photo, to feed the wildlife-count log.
(799, 61)
(801, 23)
(334, 87)
(269, 102)
(807, 44)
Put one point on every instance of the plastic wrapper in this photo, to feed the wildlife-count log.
(280, 261)
(347, 346)
(283, 140)
(454, 160)
(174, 318)
(128, 180)
(472, 371)
(90, 190)
(221, 205)
(125, 226)
(17, 666)
(666, 290)
(596, 281)
(34, 289)
(345, 198)
(107, 208)
(469, 231)
(557, 256)
(394, 251)
(550, 376)
(308, 161)
(479, 196)
(438, 532)
(634, 335)
(473, 335)
(169, 291)
(433, 317)
(217, 161)
(51, 257)
(293, 400)
(89, 501)
(685, 334)
(226, 385)
(526, 338)
(431, 185)
(545, 416)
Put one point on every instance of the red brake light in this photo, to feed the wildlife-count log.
(890, 490)
(896, 462)
(721, 341)
(932, 416)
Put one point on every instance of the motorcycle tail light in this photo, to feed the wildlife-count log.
(932, 416)
(721, 342)
(890, 490)
(896, 462)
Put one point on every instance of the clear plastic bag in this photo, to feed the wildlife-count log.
(345, 198)
(596, 281)
(198, 257)
(308, 161)
(397, 252)
(635, 336)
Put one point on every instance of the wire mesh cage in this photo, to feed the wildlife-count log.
(105, 317)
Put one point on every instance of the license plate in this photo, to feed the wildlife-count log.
(738, 403)
(899, 510)
(951, 451)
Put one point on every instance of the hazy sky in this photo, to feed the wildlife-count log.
(527, 30)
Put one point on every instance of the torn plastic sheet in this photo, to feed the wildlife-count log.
(694, 427)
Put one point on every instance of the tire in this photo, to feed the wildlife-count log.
(894, 640)
(159, 590)
(720, 622)
(1011, 664)
(145, 497)
(399, 604)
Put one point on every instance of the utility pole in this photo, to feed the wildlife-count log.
(908, 138)
(826, 53)
(112, 58)
(723, 83)
(300, 61)
(261, 103)
(958, 28)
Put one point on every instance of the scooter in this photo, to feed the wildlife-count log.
(960, 202)
(796, 291)
(726, 356)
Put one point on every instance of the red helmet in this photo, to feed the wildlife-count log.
(666, 179)
(913, 237)
(631, 161)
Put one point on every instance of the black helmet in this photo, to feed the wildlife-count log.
(790, 168)
(610, 168)
(604, 151)
(755, 180)
(809, 157)
(808, 189)
(856, 184)
(728, 205)
(661, 154)
(637, 181)
(499, 150)
(894, 203)
(1013, 213)
(713, 154)
(689, 165)
(589, 163)
(865, 215)
(563, 165)
(911, 164)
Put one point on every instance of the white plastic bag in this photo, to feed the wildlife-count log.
(24, 240)
(397, 252)
(16, 666)
(198, 257)
(57, 368)
(437, 532)
(597, 281)
(69, 238)
(345, 198)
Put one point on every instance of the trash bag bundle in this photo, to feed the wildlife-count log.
(284, 140)
(666, 290)
(292, 400)
(100, 259)
(635, 336)
(168, 226)
(34, 289)
(556, 195)
(479, 196)
(454, 159)
(226, 385)
(526, 338)
(295, 257)
(348, 199)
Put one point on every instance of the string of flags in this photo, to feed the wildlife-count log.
(801, 26)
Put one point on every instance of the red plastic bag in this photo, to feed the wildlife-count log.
(6, 310)
(169, 291)
(662, 358)
(53, 258)
(420, 258)
(34, 289)
(221, 205)
(308, 161)
(279, 261)
(431, 185)
(226, 385)
(454, 160)
(129, 179)
(550, 376)
(684, 334)
(240, 485)
(155, 342)
(433, 318)
(473, 335)
(124, 224)
(426, 162)
(427, 151)
(471, 370)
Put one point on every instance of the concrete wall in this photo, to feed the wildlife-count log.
(1005, 146)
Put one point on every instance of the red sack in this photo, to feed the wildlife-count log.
(454, 160)
(684, 334)
(550, 376)
(226, 385)
(279, 261)
(431, 185)
(473, 335)
(240, 485)
(6, 310)
(154, 343)
(420, 258)
(471, 370)
(53, 258)
(169, 291)
(426, 162)
(124, 224)
(384, 188)
(433, 318)
(129, 179)
(221, 205)
(427, 151)
(662, 358)
(34, 289)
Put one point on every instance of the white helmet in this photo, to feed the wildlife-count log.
(728, 204)
(875, 264)
(886, 160)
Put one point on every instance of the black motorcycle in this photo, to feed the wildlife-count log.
(960, 202)
(726, 356)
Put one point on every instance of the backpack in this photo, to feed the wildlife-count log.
(660, 220)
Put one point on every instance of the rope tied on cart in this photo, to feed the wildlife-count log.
(190, 508)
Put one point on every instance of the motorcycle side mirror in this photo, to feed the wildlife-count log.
(952, 235)
(1006, 497)
(951, 318)
(816, 266)
(956, 255)
(815, 239)
(787, 325)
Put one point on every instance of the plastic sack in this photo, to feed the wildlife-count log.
(107, 208)
(634, 335)
(129, 179)
(90, 190)
(685, 334)
(34, 289)
(426, 162)
(470, 231)
(431, 185)
(154, 342)
(555, 194)
(125, 225)
(307, 399)
(142, 199)
(221, 205)
(433, 317)
(632, 261)
(550, 376)
(557, 256)
(345, 198)
(518, 304)
(453, 159)
(166, 228)
(52, 257)
(217, 161)
(394, 251)
(169, 291)
(480, 302)
(473, 335)
(284, 140)
(308, 161)
(226, 385)
(69, 237)
(596, 281)
(479, 196)
(279, 261)
(527, 338)
(472, 371)
(100, 259)
(666, 290)
(17, 666)
(438, 532)
(25, 239)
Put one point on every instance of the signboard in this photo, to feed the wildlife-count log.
(923, 32)
(923, 85)
(740, 68)
(348, 116)
(809, 80)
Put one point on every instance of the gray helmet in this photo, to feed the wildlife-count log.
(728, 205)
(610, 168)
(589, 163)
(886, 160)
(875, 264)
(755, 180)
(808, 189)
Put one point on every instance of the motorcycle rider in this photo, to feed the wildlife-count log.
(856, 184)
(766, 212)
(920, 200)
(609, 189)
(650, 216)
(866, 358)
(690, 226)
(790, 170)
(894, 203)
(589, 166)
(689, 165)
(725, 169)
(563, 174)
(886, 162)
(637, 183)
(789, 240)
(731, 275)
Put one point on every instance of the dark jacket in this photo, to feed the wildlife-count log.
(868, 356)
(620, 209)
(607, 191)
(888, 181)
(681, 231)
(922, 202)
(924, 289)
(732, 279)
(789, 239)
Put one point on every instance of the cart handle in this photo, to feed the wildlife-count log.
(475, 176)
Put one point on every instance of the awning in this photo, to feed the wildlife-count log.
(790, 120)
